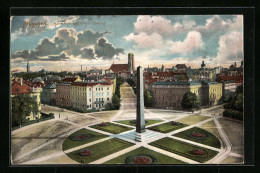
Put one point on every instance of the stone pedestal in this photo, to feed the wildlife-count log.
(140, 121)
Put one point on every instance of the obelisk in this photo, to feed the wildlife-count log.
(140, 121)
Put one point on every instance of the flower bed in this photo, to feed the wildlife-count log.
(141, 159)
(103, 124)
(198, 152)
(85, 152)
(81, 137)
(175, 123)
(197, 135)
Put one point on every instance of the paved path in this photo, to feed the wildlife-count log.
(227, 144)
(127, 110)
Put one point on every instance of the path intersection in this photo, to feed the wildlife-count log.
(42, 143)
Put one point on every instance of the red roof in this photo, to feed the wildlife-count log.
(17, 88)
(90, 84)
(38, 84)
(116, 68)
(237, 79)
(151, 77)
(181, 66)
(72, 79)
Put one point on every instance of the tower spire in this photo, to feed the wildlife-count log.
(28, 66)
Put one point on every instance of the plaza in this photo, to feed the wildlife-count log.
(53, 141)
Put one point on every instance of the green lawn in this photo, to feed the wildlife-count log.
(193, 119)
(100, 150)
(112, 128)
(147, 122)
(68, 143)
(183, 149)
(160, 158)
(210, 139)
(166, 127)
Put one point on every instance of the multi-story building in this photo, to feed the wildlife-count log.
(63, 91)
(18, 88)
(168, 95)
(91, 95)
(48, 94)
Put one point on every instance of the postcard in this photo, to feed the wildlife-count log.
(127, 89)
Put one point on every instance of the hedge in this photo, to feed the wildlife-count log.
(44, 117)
(230, 113)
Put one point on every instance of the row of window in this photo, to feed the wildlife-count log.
(84, 89)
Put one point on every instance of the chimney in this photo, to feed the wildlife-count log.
(21, 79)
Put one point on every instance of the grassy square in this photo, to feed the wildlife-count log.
(184, 149)
(161, 158)
(69, 143)
(147, 122)
(100, 150)
(167, 127)
(210, 139)
(112, 128)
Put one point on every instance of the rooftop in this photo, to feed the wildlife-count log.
(116, 68)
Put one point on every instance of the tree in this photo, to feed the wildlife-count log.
(131, 82)
(239, 89)
(148, 99)
(115, 102)
(119, 81)
(22, 106)
(180, 77)
(190, 101)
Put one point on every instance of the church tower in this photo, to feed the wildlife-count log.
(131, 65)
(28, 66)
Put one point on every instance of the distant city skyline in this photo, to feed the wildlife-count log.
(56, 43)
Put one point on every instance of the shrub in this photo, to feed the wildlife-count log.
(230, 113)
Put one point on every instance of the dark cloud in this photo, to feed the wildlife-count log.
(87, 53)
(28, 25)
(106, 50)
(72, 43)
(61, 57)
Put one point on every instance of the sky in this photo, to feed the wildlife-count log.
(64, 43)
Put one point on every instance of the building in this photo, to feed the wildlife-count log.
(123, 70)
(18, 87)
(168, 95)
(91, 95)
(181, 67)
(151, 77)
(63, 94)
(48, 94)
(70, 79)
(131, 62)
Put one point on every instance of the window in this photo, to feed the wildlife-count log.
(89, 89)
(90, 106)
(96, 89)
(107, 93)
(89, 100)
(96, 99)
(107, 99)
(102, 89)
(107, 88)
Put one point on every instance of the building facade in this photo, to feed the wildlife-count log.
(91, 95)
(168, 95)
(48, 94)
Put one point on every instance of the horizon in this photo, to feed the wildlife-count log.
(64, 43)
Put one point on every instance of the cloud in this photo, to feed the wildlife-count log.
(69, 44)
(230, 47)
(146, 41)
(192, 41)
(106, 50)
